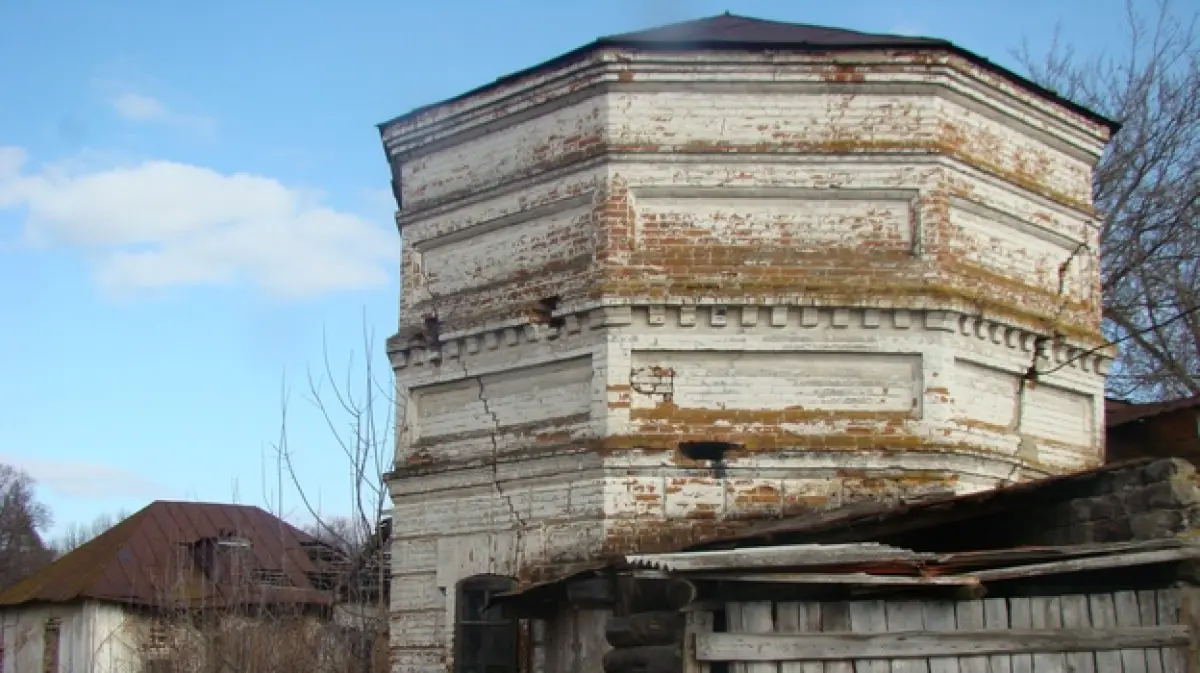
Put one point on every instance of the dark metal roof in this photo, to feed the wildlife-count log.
(149, 560)
(732, 32)
(740, 30)
(1120, 412)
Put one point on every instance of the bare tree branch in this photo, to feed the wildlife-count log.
(358, 413)
(1147, 186)
(76, 534)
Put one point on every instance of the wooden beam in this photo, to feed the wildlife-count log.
(592, 592)
(639, 593)
(1088, 563)
(645, 628)
(918, 644)
(699, 622)
(651, 659)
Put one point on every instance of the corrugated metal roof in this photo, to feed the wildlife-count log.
(148, 559)
(733, 32)
(843, 556)
(871, 557)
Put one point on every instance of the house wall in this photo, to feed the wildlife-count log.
(94, 638)
(845, 264)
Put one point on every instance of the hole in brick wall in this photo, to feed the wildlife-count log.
(706, 450)
(543, 312)
(713, 452)
(431, 332)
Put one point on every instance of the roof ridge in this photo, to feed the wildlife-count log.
(128, 562)
(724, 32)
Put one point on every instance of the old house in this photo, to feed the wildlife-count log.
(161, 588)
(863, 262)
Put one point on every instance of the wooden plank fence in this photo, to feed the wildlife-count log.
(1118, 632)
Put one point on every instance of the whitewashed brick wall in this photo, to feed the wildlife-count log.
(848, 278)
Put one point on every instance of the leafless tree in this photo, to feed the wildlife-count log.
(342, 532)
(78, 534)
(357, 407)
(1146, 188)
(22, 518)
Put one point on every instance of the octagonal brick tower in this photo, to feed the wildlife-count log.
(841, 251)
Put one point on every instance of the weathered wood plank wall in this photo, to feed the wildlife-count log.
(1117, 632)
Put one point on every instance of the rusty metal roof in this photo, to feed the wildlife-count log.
(742, 33)
(148, 560)
(1120, 412)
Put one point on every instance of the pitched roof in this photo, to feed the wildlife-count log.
(1120, 412)
(151, 559)
(741, 30)
(732, 32)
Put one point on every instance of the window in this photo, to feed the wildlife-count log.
(485, 640)
(157, 642)
(50, 638)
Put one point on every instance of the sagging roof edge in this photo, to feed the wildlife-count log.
(1121, 412)
(716, 45)
(841, 517)
(879, 513)
(874, 561)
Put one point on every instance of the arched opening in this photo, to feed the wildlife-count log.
(485, 639)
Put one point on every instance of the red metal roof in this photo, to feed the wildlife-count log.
(150, 559)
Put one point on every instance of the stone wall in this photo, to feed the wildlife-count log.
(1155, 500)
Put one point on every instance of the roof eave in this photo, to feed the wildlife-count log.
(713, 45)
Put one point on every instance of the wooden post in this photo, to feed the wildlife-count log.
(1189, 616)
(697, 622)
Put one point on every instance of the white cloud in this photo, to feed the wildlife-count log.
(78, 479)
(140, 108)
(162, 224)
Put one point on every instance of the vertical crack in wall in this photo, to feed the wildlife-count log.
(1043, 346)
(433, 338)
(506, 498)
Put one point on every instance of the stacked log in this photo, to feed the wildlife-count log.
(647, 637)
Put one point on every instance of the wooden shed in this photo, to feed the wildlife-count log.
(1090, 573)
(870, 608)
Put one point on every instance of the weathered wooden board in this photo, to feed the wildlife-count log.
(939, 617)
(1075, 615)
(1120, 632)
(969, 618)
(874, 646)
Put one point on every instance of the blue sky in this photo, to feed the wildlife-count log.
(193, 199)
